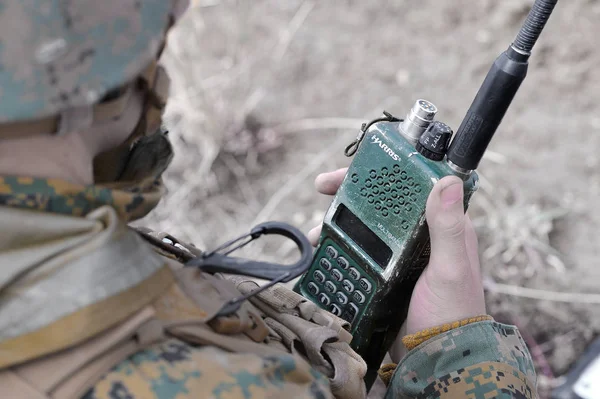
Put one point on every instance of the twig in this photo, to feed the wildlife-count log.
(252, 102)
(225, 218)
(495, 157)
(485, 184)
(293, 183)
(278, 49)
(246, 188)
(285, 249)
(286, 37)
(534, 293)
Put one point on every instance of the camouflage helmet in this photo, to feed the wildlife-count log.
(60, 55)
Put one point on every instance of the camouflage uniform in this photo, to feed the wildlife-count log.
(171, 368)
(484, 359)
(176, 370)
(72, 65)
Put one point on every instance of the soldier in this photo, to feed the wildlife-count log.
(90, 308)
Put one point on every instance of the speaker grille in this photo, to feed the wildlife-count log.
(390, 191)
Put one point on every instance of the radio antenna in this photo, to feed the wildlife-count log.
(497, 92)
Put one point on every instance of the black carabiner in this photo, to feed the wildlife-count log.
(220, 262)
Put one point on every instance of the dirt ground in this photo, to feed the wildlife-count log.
(268, 93)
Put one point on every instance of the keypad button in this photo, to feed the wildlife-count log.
(348, 286)
(365, 285)
(347, 316)
(336, 310)
(337, 275)
(341, 297)
(353, 309)
(313, 288)
(358, 297)
(330, 287)
(319, 276)
(342, 262)
(354, 274)
(325, 264)
(331, 252)
(350, 313)
(324, 299)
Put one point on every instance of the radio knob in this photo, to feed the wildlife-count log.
(433, 144)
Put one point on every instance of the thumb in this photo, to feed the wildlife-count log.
(446, 219)
(449, 288)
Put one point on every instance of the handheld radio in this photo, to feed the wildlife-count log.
(375, 241)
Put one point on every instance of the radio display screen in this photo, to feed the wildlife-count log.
(363, 236)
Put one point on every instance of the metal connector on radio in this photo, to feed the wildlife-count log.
(417, 120)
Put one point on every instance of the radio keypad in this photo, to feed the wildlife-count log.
(350, 312)
(342, 262)
(330, 287)
(337, 275)
(319, 276)
(324, 299)
(313, 288)
(325, 264)
(365, 285)
(348, 286)
(331, 252)
(336, 310)
(357, 296)
(341, 297)
(338, 284)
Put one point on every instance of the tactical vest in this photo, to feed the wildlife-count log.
(80, 295)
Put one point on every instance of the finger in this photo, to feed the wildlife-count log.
(446, 221)
(328, 183)
(313, 235)
(471, 245)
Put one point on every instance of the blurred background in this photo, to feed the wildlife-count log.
(267, 94)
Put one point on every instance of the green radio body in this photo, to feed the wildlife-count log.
(375, 242)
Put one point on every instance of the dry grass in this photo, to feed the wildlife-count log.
(517, 234)
(211, 115)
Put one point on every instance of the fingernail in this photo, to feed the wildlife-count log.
(452, 194)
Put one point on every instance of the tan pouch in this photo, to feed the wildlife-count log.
(320, 334)
(70, 373)
(294, 325)
(272, 322)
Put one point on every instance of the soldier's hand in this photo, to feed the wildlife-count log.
(450, 288)
(328, 184)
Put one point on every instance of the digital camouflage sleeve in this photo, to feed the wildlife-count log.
(176, 370)
(485, 359)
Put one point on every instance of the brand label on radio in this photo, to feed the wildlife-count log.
(385, 148)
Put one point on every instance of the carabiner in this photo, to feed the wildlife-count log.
(220, 262)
